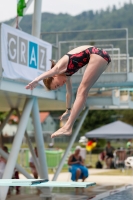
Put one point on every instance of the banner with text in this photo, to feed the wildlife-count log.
(23, 56)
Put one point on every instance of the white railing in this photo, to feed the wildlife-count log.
(118, 65)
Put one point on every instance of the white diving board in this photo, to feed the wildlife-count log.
(43, 183)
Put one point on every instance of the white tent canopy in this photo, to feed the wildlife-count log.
(115, 130)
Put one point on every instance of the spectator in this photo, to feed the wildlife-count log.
(102, 156)
(129, 147)
(109, 155)
(51, 145)
(129, 143)
(101, 159)
(32, 165)
(120, 157)
(16, 176)
(77, 169)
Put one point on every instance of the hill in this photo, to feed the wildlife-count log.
(110, 18)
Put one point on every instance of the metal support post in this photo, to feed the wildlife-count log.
(36, 27)
(33, 153)
(39, 140)
(17, 166)
(30, 147)
(127, 51)
(72, 140)
(16, 145)
(36, 21)
(20, 169)
(40, 147)
(57, 45)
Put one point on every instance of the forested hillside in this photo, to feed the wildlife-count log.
(110, 18)
(114, 18)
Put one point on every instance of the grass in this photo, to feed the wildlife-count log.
(116, 172)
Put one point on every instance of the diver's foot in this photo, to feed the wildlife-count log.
(62, 132)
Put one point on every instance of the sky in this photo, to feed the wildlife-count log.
(72, 7)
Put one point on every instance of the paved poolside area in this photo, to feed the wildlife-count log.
(103, 183)
(99, 179)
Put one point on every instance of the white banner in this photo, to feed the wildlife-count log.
(23, 56)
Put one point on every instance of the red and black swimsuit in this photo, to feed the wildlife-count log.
(78, 60)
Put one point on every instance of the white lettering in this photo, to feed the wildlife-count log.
(33, 57)
(42, 59)
(23, 49)
(12, 56)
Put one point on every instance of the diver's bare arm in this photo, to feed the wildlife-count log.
(68, 93)
(59, 68)
(49, 73)
(66, 114)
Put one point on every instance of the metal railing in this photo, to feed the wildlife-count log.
(53, 157)
(118, 65)
(57, 39)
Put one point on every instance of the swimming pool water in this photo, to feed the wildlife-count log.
(123, 195)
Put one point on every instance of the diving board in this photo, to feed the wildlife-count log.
(43, 183)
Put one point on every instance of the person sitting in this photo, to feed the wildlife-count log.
(120, 157)
(109, 155)
(101, 159)
(77, 168)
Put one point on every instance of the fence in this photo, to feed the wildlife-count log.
(53, 157)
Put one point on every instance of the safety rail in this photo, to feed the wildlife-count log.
(118, 65)
(53, 157)
(121, 63)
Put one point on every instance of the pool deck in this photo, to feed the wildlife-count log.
(103, 183)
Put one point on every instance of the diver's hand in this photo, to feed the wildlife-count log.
(32, 84)
(65, 115)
